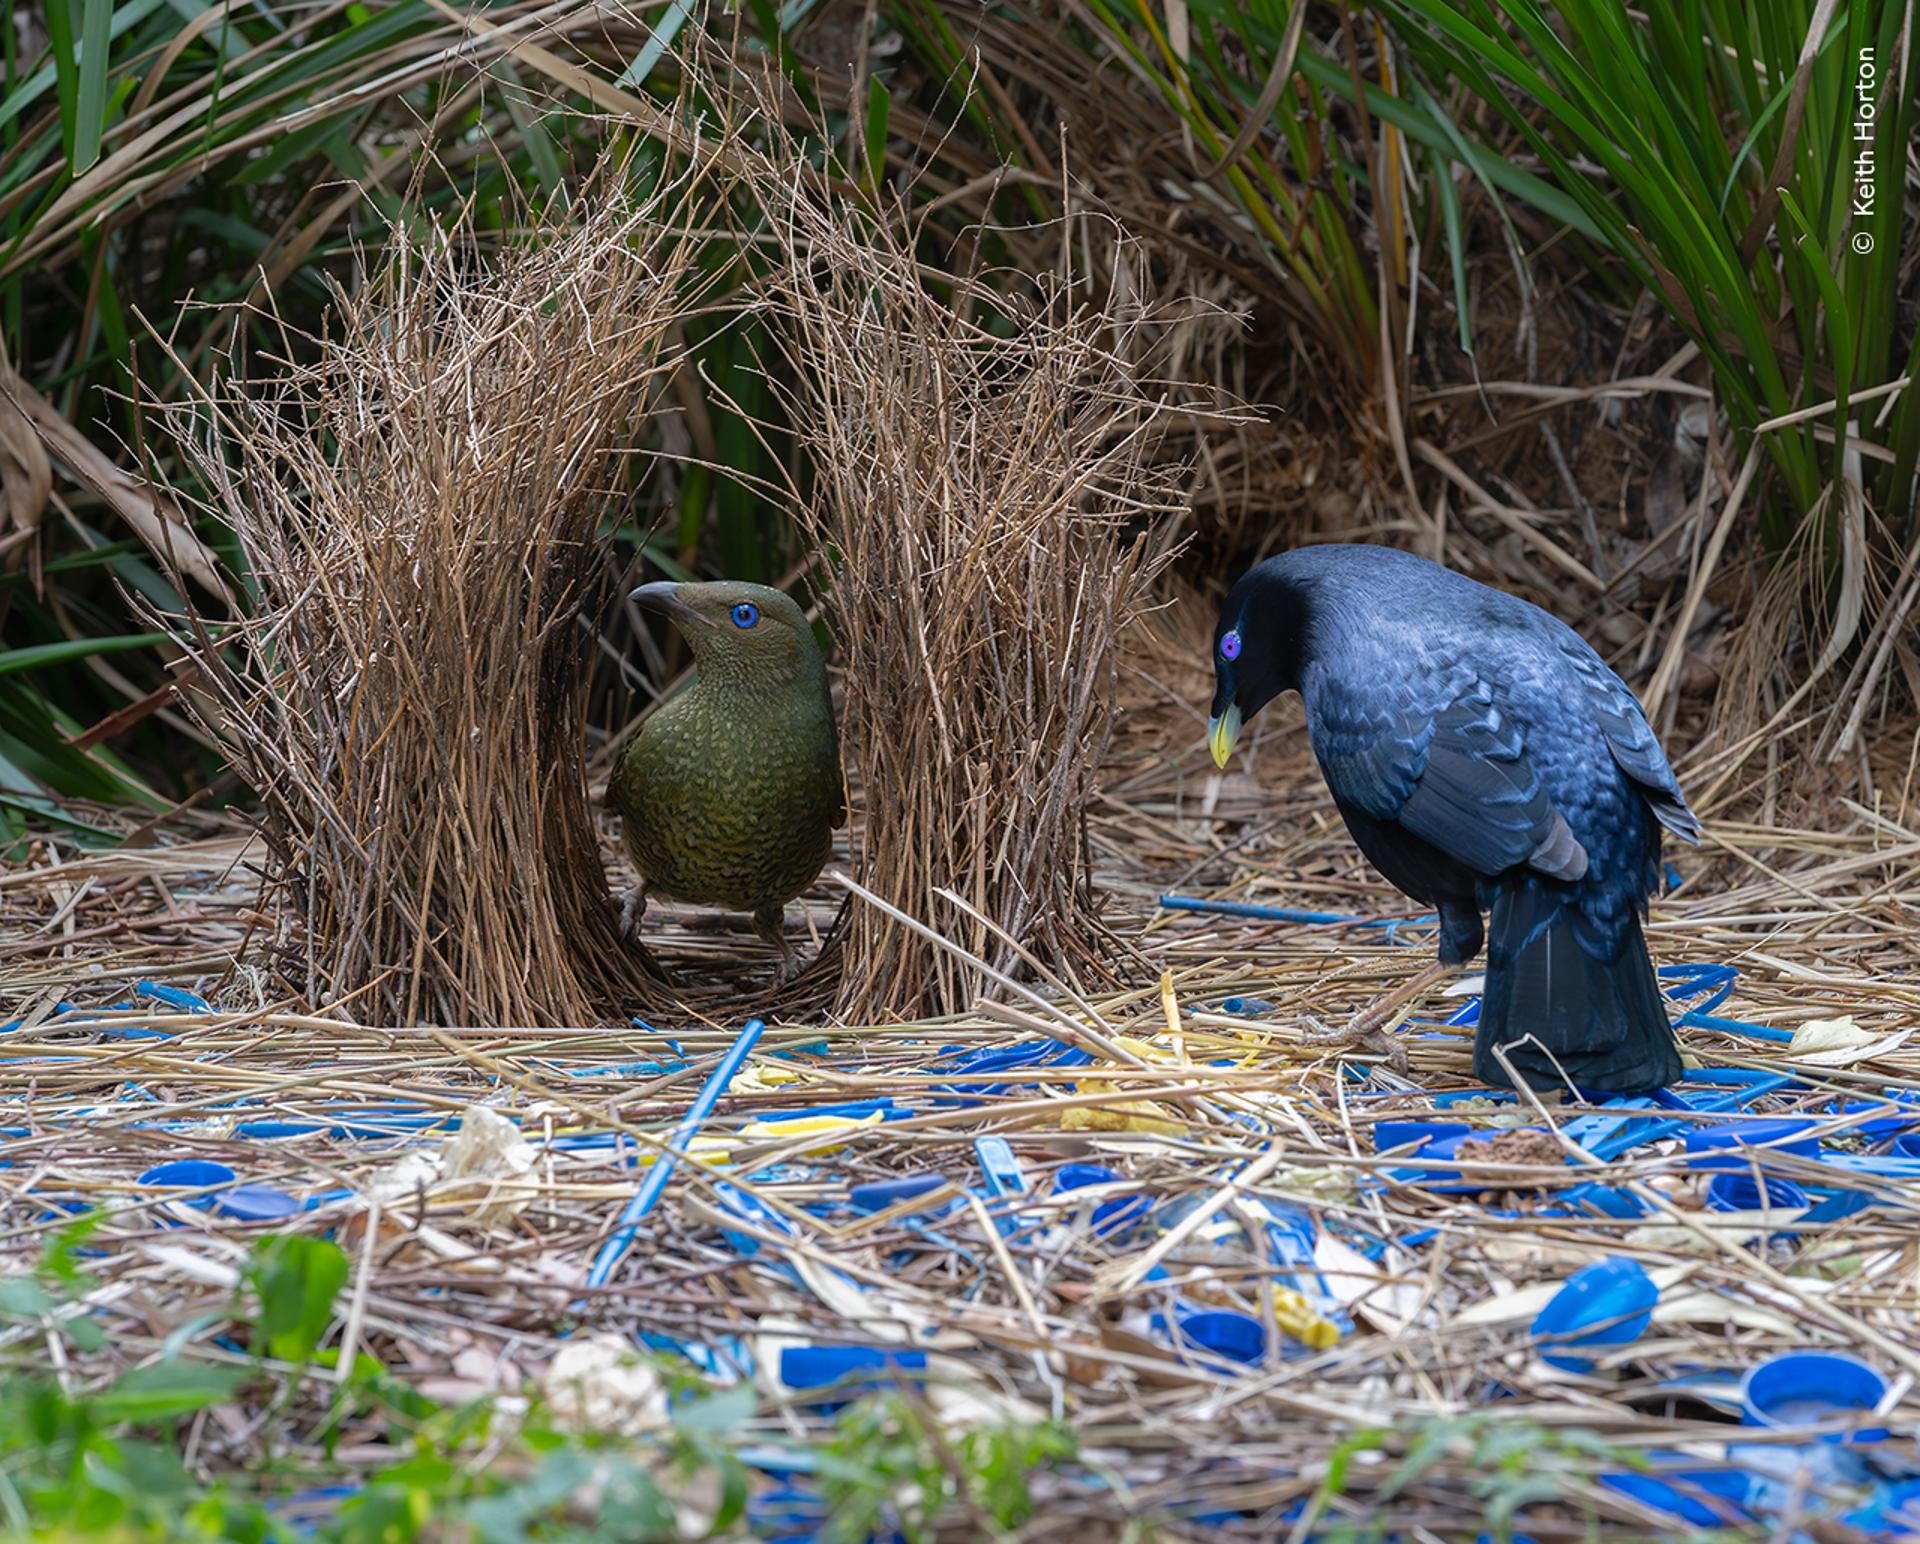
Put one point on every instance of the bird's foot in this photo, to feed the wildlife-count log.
(1368, 1031)
(770, 924)
(633, 906)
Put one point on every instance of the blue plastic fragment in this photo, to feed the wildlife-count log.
(1606, 1200)
(655, 1184)
(173, 996)
(1707, 1498)
(1024, 1053)
(999, 1168)
(1607, 1136)
(1805, 1388)
(1700, 1020)
(270, 1130)
(849, 1369)
(672, 1044)
(1893, 1514)
(1609, 1303)
(1248, 909)
(1739, 1144)
(254, 1203)
(878, 1195)
(1111, 1215)
(639, 1069)
(1391, 1134)
(1884, 1117)
(1882, 1165)
(1238, 1337)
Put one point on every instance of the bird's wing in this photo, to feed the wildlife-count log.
(1632, 741)
(1433, 753)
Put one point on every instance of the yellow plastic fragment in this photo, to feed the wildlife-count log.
(810, 1126)
(762, 1079)
(1296, 1316)
(712, 1149)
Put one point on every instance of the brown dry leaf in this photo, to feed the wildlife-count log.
(26, 476)
(154, 517)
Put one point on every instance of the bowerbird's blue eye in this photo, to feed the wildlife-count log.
(1230, 645)
(745, 614)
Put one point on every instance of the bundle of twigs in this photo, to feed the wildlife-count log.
(420, 498)
(989, 493)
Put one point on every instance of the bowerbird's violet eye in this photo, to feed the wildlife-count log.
(1230, 645)
(745, 614)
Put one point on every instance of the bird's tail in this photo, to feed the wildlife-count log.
(1570, 998)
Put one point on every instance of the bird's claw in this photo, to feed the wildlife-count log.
(771, 925)
(633, 906)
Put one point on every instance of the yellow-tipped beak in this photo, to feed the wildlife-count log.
(1221, 734)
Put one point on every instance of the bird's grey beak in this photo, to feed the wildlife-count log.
(663, 596)
(1221, 734)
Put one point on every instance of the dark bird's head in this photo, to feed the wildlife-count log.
(740, 632)
(1259, 647)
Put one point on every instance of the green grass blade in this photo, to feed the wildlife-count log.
(90, 93)
(879, 109)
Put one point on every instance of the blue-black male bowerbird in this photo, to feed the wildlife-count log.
(1485, 759)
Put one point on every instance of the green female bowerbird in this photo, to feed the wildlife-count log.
(729, 794)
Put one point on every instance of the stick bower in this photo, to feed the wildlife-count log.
(990, 496)
(419, 498)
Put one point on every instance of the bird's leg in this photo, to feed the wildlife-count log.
(633, 906)
(1370, 1025)
(770, 923)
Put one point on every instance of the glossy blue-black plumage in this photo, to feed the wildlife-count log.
(1485, 759)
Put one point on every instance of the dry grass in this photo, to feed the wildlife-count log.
(989, 491)
(422, 510)
(467, 1283)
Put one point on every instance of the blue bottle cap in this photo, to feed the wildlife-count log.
(1609, 1303)
(1805, 1387)
(255, 1203)
(188, 1173)
(1744, 1193)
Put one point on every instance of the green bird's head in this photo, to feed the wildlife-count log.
(739, 632)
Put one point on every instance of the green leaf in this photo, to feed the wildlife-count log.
(879, 110)
(166, 1389)
(36, 655)
(66, 75)
(22, 1297)
(297, 1279)
(90, 96)
(716, 1414)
